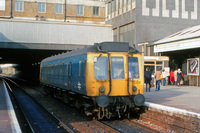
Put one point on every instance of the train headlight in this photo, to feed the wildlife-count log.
(134, 88)
(102, 101)
(139, 99)
(101, 89)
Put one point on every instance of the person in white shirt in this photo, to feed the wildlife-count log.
(164, 77)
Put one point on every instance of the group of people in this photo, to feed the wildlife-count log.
(175, 76)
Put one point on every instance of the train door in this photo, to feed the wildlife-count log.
(81, 76)
(118, 74)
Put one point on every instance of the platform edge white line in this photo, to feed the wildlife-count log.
(11, 112)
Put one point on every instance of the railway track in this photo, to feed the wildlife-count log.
(142, 126)
(37, 116)
(79, 122)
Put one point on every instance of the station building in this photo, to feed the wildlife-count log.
(183, 49)
(83, 11)
(143, 22)
(58, 23)
(139, 22)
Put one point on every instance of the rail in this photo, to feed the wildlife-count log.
(37, 116)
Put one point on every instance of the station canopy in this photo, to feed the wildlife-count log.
(183, 40)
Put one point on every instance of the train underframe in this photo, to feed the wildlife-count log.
(116, 106)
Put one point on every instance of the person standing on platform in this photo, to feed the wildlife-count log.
(179, 77)
(172, 77)
(164, 77)
(157, 76)
(147, 78)
(175, 75)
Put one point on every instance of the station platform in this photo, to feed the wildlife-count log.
(185, 97)
(8, 120)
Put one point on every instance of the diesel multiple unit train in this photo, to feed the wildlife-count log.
(104, 80)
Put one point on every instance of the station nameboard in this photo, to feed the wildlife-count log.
(193, 66)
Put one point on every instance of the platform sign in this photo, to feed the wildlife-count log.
(193, 66)
(2, 5)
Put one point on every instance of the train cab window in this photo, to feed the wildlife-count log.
(117, 67)
(133, 67)
(100, 68)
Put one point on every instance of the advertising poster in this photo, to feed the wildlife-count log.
(167, 71)
(193, 66)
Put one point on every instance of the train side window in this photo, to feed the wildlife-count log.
(79, 70)
(67, 68)
(51, 68)
(55, 68)
(61, 68)
(70, 69)
(84, 67)
(45, 69)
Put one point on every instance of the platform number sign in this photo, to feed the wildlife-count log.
(193, 66)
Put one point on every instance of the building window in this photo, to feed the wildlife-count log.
(109, 8)
(79, 10)
(127, 33)
(117, 5)
(19, 6)
(113, 4)
(2, 5)
(58, 8)
(115, 34)
(41, 7)
(120, 4)
(95, 11)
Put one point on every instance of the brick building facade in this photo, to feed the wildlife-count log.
(87, 11)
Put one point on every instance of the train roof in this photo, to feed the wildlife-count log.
(97, 48)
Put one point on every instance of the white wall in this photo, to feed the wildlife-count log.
(53, 32)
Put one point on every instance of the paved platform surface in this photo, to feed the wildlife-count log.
(8, 120)
(184, 97)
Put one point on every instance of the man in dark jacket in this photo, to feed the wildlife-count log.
(147, 78)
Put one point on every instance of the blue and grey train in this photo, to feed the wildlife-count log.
(105, 79)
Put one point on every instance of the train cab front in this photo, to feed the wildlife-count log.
(117, 83)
